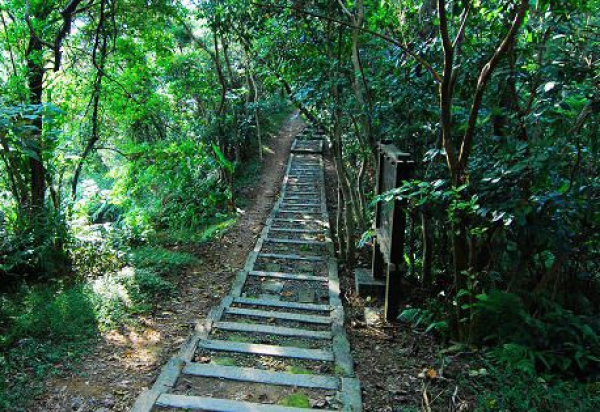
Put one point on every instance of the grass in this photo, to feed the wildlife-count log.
(159, 259)
(196, 236)
(296, 370)
(45, 329)
(296, 400)
(224, 361)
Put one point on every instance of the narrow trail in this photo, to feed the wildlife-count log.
(277, 341)
(126, 361)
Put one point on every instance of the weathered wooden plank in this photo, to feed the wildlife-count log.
(145, 402)
(283, 304)
(299, 212)
(308, 231)
(238, 284)
(289, 276)
(236, 373)
(169, 375)
(220, 405)
(304, 197)
(267, 350)
(309, 205)
(292, 257)
(273, 330)
(303, 212)
(321, 223)
(351, 395)
(296, 241)
(296, 317)
(296, 191)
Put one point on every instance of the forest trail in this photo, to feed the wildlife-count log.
(276, 342)
(127, 361)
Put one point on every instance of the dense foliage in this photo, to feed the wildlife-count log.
(120, 121)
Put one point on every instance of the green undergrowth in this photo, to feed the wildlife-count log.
(46, 328)
(537, 355)
(187, 236)
(160, 260)
(503, 389)
(225, 361)
(248, 175)
(127, 269)
(296, 400)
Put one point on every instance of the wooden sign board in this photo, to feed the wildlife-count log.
(390, 225)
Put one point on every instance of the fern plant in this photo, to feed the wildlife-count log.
(423, 317)
(545, 337)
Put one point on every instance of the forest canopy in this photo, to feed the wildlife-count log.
(128, 125)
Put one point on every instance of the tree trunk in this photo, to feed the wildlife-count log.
(359, 82)
(427, 240)
(256, 118)
(37, 170)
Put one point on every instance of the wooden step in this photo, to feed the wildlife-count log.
(279, 229)
(292, 257)
(273, 330)
(314, 197)
(309, 150)
(310, 205)
(236, 373)
(316, 194)
(302, 184)
(267, 350)
(296, 241)
(290, 220)
(271, 314)
(301, 212)
(283, 304)
(288, 276)
(219, 405)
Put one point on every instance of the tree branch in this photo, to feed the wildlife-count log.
(388, 39)
(484, 77)
(446, 89)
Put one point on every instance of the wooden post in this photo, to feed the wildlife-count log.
(379, 271)
(397, 266)
(393, 167)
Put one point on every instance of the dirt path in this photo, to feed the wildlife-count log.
(127, 361)
(277, 341)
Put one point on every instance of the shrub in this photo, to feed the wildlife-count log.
(41, 328)
(160, 260)
(545, 337)
(131, 291)
(517, 392)
(50, 315)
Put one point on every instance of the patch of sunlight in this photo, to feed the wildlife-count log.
(112, 287)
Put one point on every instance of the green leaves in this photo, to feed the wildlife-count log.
(225, 164)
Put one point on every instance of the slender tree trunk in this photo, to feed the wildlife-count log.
(427, 240)
(339, 223)
(37, 170)
(101, 46)
(360, 87)
(348, 205)
(360, 187)
(257, 118)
